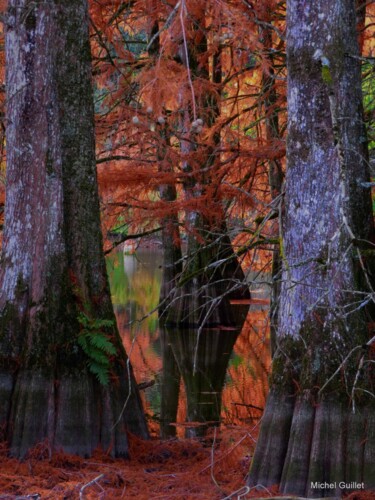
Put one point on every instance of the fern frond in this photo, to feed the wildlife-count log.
(83, 343)
(98, 324)
(96, 345)
(100, 371)
(83, 320)
(98, 356)
(100, 341)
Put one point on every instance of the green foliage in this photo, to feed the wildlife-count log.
(326, 75)
(96, 345)
(130, 279)
(368, 88)
(236, 360)
(121, 227)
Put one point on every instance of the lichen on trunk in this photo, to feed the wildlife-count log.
(321, 399)
(53, 270)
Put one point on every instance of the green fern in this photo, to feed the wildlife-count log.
(100, 373)
(96, 345)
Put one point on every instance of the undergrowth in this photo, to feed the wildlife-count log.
(96, 345)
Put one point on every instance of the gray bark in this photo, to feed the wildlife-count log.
(275, 174)
(327, 219)
(53, 266)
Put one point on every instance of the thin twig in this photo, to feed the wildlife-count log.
(213, 463)
(166, 25)
(229, 451)
(355, 349)
(186, 50)
(90, 483)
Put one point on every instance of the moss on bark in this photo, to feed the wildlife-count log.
(322, 363)
(53, 268)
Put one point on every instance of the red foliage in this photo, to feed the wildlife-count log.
(143, 141)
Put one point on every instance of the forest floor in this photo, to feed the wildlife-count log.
(179, 469)
(173, 469)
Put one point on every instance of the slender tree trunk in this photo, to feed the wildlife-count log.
(53, 269)
(318, 422)
(172, 253)
(172, 268)
(212, 274)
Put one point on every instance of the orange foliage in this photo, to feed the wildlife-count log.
(169, 469)
(142, 95)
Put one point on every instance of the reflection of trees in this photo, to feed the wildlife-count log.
(201, 357)
(245, 371)
(247, 387)
(135, 285)
(170, 387)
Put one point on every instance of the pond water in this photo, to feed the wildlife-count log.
(189, 381)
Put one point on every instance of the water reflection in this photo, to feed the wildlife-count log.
(200, 378)
(201, 358)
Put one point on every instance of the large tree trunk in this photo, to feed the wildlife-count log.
(318, 422)
(53, 269)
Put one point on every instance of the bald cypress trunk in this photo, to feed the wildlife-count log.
(54, 292)
(171, 240)
(317, 426)
(212, 274)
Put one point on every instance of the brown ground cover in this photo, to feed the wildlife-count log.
(181, 469)
(175, 469)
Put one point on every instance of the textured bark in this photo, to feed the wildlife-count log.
(172, 253)
(172, 260)
(327, 218)
(275, 173)
(53, 267)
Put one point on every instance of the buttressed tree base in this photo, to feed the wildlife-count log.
(64, 374)
(318, 425)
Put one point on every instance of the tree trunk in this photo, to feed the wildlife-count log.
(317, 425)
(54, 292)
(212, 274)
(275, 171)
(171, 239)
(172, 253)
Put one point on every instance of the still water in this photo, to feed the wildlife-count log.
(189, 381)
